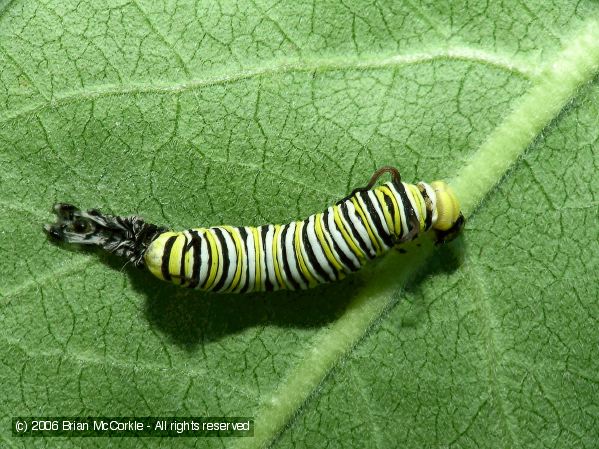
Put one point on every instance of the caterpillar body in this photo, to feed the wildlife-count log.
(324, 247)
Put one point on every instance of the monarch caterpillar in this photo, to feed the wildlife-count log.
(322, 248)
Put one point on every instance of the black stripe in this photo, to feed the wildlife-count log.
(223, 243)
(275, 280)
(244, 235)
(374, 215)
(428, 220)
(343, 258)
(354, 231)
(209, 262)
(166, 257)
(407, 207)
(195, 245)
(286, 268)
(310, 253)
(366, 222)
(238, 256)
(391, 206)
(268, 285)
(182, 265)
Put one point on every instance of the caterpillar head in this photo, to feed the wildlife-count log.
(123, 236)
(449, 217)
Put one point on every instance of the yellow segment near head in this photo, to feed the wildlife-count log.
(154, 253)
(448, 206)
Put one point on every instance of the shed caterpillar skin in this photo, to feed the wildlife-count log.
(324, 247)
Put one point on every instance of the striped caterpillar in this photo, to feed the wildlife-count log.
(324, 247)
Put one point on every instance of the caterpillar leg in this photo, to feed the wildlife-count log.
(124, 236)
(447, 236)
(414, 230)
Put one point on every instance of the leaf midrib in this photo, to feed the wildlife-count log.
(575, 65)
(376, 310)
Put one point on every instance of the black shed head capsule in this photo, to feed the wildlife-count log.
(322, 248)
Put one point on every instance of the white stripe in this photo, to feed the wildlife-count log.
(375, 201)
(291, 255)
(402, 212)
(219, 272)
(269, 257)
(336, 235)
(229, 250)
(246, 259)
(304, 254)
(232, 257)
(413, 202)
(243, 256)
(262, 255)
(317, 248)
(251, 258)
(369, 218)
(280, 243)
(204, 267)
(357, 222)
(433, 197)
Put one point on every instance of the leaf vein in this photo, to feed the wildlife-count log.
(272, 68)
(88, 359)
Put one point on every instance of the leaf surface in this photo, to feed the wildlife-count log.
(195, 114)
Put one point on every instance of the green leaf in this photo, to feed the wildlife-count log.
(246, 113)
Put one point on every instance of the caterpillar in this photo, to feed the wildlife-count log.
(324, 247)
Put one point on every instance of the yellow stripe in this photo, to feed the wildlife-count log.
(188, 261)
(174, 261)
(239, 248)
(325, 245)
(352, 245)
(215, 259)
(275, 250)
(153, 256)
(373, 238)
(397, 217)
(258, 251)
(312, 281)
(418, 200)
(383, 205)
